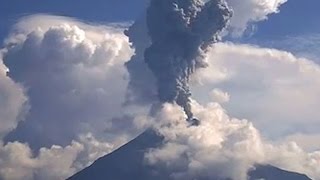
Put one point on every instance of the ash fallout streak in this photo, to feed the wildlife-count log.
(181, 32)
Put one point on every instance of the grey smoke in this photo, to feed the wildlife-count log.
(142, 85)
(180, 33)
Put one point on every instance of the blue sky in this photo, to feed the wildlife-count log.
(93, 11)
(297, 16)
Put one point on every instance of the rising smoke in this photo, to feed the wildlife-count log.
(180, 33)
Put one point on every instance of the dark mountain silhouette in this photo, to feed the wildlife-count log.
(268, 172)
(127, 163)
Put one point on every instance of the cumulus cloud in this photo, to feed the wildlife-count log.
(92, 150)
(13, 102)
(220, 146)
(265, 86)
(67, 81)
(74, 75)
(18, 161)
(251, 11)
(219, 96)
(309, 142)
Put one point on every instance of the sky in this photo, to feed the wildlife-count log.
(96, 11)
(301, 14)
(67, 97)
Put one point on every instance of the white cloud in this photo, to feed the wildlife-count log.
(74, 75)
(221, 146)
(75, 80)
(44, 22)
(93, 149)
(18, 162)
(291, 157)
(219, 96)
(55, 163)
(12, 102)
(309, 142)
(250, 11)
(267, 86)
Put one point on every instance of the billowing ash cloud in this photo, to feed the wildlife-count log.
(142, 86)
(180, 33)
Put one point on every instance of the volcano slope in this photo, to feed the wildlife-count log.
(127, 163)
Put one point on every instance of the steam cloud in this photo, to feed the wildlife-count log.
(180, 32)
(221, 147)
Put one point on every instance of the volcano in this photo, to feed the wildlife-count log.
(127, 163)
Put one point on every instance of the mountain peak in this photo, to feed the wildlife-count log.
(127, 163)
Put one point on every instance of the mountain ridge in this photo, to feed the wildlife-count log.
(127, 163)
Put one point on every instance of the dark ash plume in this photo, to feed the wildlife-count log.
(142, 85)
(180, 32)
